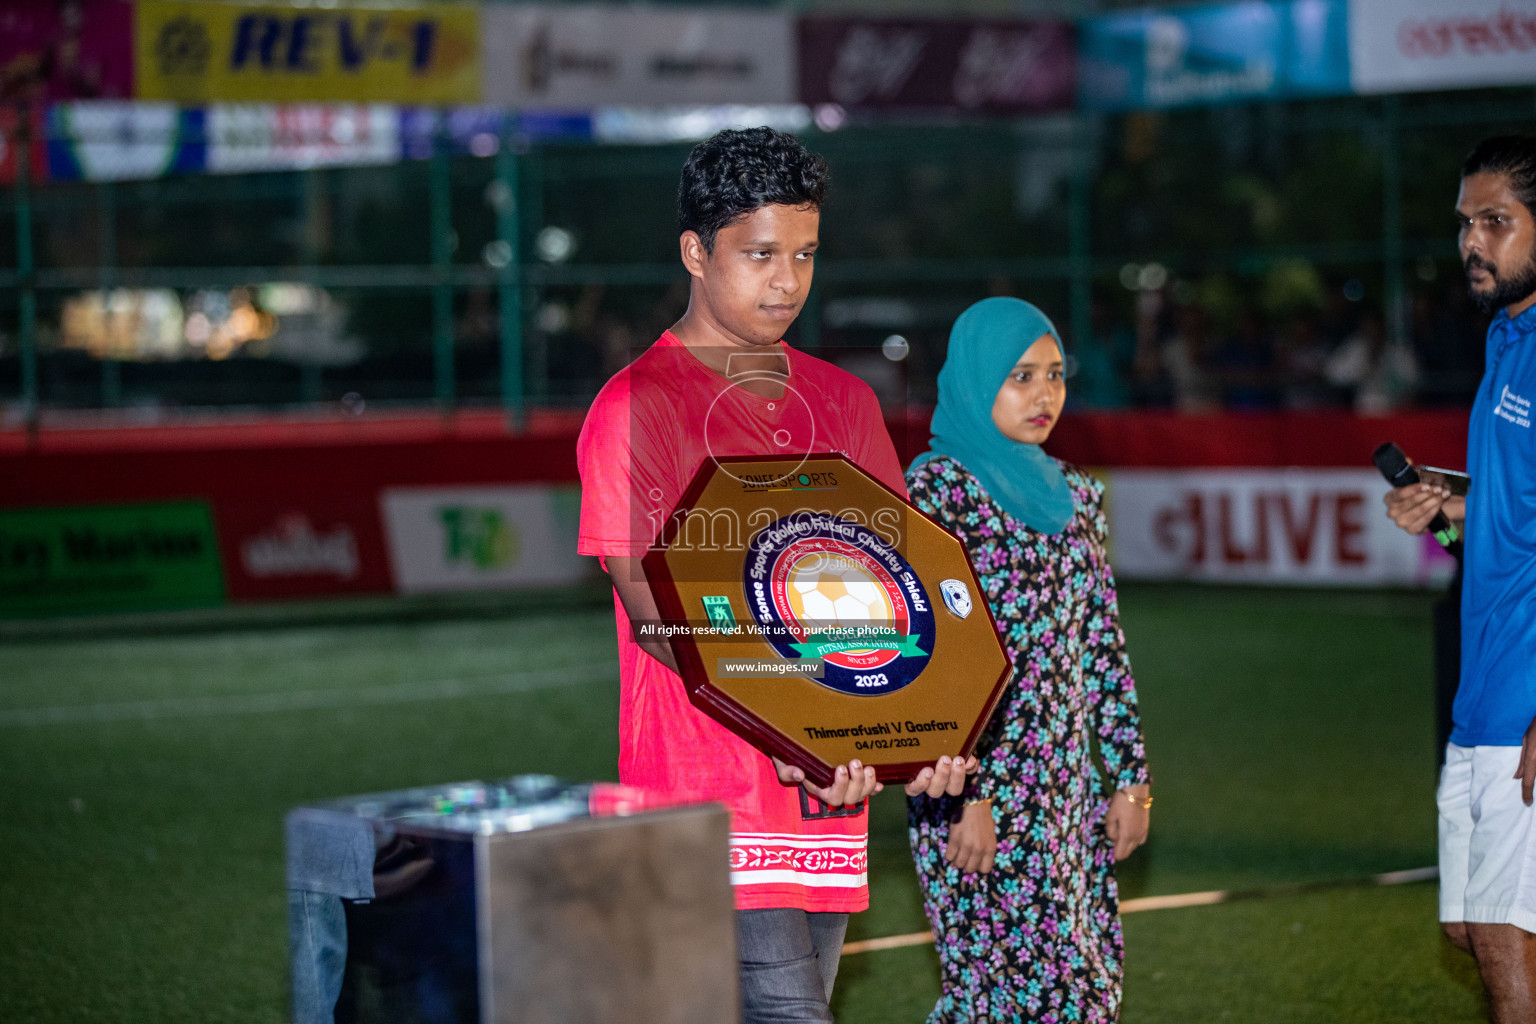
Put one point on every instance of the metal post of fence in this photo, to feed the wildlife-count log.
(439, 187)
(536, 348)
(26, 272)
(509, 278)
(111, 369)
(1395, 303)
(311, 209)
(1079, 223)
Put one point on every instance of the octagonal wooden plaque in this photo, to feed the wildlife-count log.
(823, 618)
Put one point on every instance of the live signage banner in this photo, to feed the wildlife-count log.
(575, 57)
(1408, 45)
(988, 66)
(1271, 526)
(195, 53)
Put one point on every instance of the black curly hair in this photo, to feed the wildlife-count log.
(735, 172)
(1513, 156)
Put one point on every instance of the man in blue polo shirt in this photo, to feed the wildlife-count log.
(1487, 822)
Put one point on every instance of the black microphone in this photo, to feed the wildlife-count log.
(1394, 465)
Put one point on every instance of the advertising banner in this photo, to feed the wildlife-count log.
(120, 140)
(269, 137)
(482, 538)
(649, 125)
(479, 131)
(474, 131)
(1214, 53)
(77, 51)
(12, 147)
(304, 548)
(196, 53)
(585, 56)
(992, 66)
(1408, 45)
(108, 558)
(1282, 526)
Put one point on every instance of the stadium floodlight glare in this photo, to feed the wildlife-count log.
(555, 245)
(497, 254)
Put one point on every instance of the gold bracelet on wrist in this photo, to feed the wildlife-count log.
(979, 800)
(1136, 801)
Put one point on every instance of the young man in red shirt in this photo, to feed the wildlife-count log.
(722, 382)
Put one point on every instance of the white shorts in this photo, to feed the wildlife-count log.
(1487, 839)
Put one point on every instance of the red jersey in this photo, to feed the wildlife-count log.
(649, 430)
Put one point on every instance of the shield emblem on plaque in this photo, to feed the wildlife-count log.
(957, 598)
(824, 618)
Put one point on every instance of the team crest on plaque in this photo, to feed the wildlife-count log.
(825, 587)
(823, 618)
(957, 597)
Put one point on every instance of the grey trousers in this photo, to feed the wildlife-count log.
(788, 964)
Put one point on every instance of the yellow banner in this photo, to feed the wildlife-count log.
(196, 53)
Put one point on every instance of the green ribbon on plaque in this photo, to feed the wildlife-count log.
(877, 640)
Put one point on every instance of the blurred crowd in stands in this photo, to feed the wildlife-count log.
(1177, 356)
(1174, 347)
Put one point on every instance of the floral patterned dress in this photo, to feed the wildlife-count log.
(1039, 938)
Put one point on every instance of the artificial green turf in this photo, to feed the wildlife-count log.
(1365, 956)
(141, 859)
(141, 866)
(1362, 956)
(1291, 735)
(1349, 955)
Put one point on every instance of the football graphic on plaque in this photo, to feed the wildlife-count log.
(822, 617)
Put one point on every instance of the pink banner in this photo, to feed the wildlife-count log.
(65, 50)
(992, 66)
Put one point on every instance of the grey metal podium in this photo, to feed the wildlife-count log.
(528, 901)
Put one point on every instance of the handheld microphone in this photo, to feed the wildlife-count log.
(1394, 465)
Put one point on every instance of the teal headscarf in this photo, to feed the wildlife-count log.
(986, 342)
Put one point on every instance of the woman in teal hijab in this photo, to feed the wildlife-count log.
(984, 348)
(1018, 872)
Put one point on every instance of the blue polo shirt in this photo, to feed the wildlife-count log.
(1497, 697)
